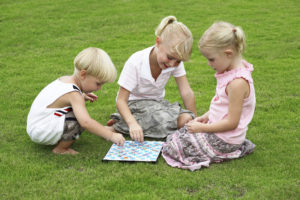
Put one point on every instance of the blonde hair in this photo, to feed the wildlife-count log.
(177, 35)
(223, 35)
(97, 63)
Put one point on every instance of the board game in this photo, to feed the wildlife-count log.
(148, 151)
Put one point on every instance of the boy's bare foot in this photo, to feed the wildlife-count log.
(110, 122)
(63, 148)
(64, 151)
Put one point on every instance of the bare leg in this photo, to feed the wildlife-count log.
(63, 148)
(182, 119)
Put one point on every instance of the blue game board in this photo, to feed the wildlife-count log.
(135, 151)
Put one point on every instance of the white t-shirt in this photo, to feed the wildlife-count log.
(136, 77)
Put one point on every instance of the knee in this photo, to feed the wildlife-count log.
(183, 119)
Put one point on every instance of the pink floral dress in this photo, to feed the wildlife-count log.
(192, 151)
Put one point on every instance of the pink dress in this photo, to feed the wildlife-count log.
(192, 151)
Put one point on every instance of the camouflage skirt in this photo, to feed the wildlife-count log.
(192, 151)
(158, 118)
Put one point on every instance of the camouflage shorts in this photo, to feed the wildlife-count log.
(72, 129)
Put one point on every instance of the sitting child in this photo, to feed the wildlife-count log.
(143, 111)
(220, 133)
(58, 114)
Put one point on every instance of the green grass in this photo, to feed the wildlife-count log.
(39, 40)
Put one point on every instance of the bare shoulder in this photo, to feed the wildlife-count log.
(67, 99)
(238, 82)
(74, 96)
(239, 85)
(66, 79)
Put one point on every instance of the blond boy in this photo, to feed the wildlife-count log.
(58, 114)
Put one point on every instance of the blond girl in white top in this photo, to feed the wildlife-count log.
(143, 111)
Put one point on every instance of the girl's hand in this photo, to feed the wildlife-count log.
(202, 119)
(118, 139)
(136, 132)
(90, 97)
(194, 126)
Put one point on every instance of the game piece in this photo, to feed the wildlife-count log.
(148, 151)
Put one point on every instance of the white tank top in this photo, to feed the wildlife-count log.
(45, 125)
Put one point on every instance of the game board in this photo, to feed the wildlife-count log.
(148, 151)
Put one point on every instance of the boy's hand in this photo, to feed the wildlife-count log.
(118, 139)
(136, 132)
(90, 97)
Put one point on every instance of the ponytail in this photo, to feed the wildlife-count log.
(240, 39)
(177, 35)
(163, 24)
(223, 35)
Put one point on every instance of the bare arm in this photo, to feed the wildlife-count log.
(186, 94)
(237, 91)
(78, 104)
(135, 130)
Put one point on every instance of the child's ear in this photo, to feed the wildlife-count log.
(158, 41)
(229, 53)
(82, 74)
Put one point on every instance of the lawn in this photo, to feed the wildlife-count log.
(39, 40)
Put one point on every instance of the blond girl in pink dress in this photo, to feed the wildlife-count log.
(220, 133)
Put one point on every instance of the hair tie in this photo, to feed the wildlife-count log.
(233, 30)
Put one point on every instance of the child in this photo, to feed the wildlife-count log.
(58, 114)
(143, 111)
(220, 133)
